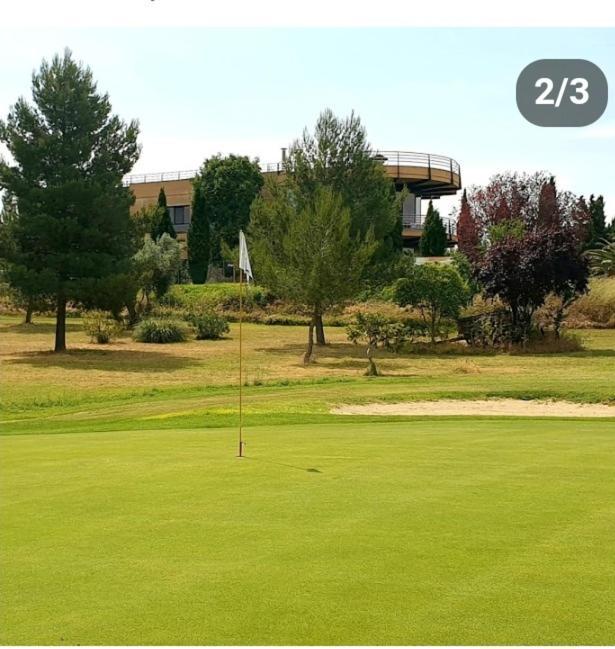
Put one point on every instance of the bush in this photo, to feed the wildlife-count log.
(223, 296)
(161, 331)
(596, 308)
(100, 326)
(550, 344)
(209, 326)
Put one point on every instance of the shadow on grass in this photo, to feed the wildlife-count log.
(290, 466)
(109, 360)
(39, 328)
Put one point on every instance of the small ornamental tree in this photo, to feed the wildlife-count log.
(73, 237)
(164, 223)
(198, 238)
(433, 240)
(155, 267)
(436, 290)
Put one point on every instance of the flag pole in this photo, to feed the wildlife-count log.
(240, 362)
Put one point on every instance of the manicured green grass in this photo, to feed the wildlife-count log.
(404, 532)
(125, 517)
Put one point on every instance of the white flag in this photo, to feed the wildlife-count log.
(244, 258)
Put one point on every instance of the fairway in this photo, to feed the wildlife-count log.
(405, 532)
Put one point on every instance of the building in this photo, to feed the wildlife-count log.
(425, 175)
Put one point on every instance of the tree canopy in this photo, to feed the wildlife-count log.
(305, 251)
(338, 156)
(72, 234)
(229, 185)
(436, 290)
(531, 241)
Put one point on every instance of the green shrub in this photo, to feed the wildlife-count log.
(161, 331)
(222, 296)
(100, 326)
(209, 325)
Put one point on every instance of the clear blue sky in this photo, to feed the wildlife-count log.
(450, 91)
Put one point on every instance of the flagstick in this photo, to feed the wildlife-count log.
(240, 361)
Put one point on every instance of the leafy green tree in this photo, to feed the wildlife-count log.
(436, 290)
(73, 234)
(155, 266)
(338, 156)
(433, 238)
(598, 228)
(307, 254)
(198, 238)
(163, 224)
(229, 185)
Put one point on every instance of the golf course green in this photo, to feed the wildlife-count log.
(125, 514)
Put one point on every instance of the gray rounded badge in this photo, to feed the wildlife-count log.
(562, 92)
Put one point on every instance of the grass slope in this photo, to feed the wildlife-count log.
(423, 532)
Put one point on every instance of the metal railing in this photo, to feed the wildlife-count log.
(397, 159)
(163, 176)
(417, 222)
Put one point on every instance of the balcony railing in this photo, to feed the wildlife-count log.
(388, 158)
(160, 177)
(417, 222)
(397, 159)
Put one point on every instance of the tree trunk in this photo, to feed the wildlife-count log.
(307, 357)
(432, 329)
(372, 370)
(29, 312)
(61, 324)
(320, 329)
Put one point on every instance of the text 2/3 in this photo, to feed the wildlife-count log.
(579, 88)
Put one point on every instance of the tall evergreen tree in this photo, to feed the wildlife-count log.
(163, 223)
(598, 229)
(548, 207)
(72, 238)
(468, 240)
(199, 239)
(433, 240)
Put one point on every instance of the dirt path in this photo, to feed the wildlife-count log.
(505, 407)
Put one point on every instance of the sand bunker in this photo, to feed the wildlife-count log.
(491, 407)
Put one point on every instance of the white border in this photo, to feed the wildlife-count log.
(309, 13)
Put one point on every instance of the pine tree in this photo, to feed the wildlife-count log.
(199, 237)
(164, 223)
(72, 239)
(433, 240)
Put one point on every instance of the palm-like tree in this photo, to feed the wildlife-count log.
(602, 260)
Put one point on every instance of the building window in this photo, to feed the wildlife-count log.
(180, 214)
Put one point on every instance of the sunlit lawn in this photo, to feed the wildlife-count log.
(125, 517)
